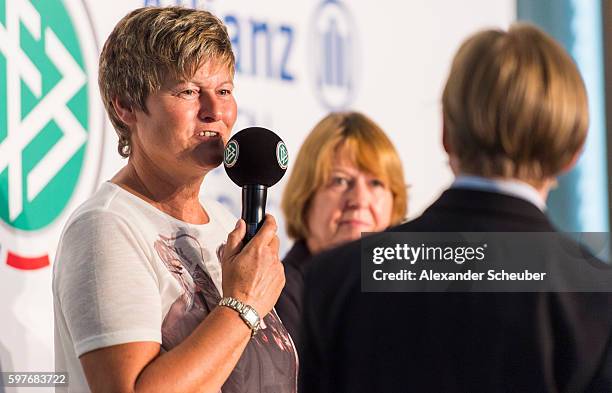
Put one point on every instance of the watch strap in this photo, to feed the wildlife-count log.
(242, 309)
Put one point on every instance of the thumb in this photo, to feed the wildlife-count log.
(234, 240)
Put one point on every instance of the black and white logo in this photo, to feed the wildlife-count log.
(230, 154)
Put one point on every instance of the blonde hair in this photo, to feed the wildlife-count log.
(514, 105)
(369, 149)
(150, 44)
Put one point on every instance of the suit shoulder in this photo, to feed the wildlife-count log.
(338, 265)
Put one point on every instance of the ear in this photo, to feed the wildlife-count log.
(124, 112)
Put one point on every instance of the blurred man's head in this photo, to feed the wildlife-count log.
(514, 106)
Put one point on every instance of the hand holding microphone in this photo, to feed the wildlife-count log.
(255, 159)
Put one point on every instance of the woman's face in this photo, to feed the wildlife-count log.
(187, 124)
(351, 202)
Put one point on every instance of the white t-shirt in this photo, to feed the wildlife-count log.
(126, 272)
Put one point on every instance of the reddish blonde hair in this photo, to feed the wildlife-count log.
(369, 149)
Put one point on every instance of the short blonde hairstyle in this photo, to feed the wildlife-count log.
(514, 105)
(150, 44)
(370, 150)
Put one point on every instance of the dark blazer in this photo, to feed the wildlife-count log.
(289, 304)
(452, 342)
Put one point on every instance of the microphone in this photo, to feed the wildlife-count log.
(255, 159)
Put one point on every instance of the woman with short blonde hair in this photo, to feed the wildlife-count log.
(152, 288)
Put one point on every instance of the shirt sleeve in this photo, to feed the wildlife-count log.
(107, 290)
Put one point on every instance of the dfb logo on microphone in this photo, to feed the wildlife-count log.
(230, 155)
(282, 155)
(334, 54)
(51, 124)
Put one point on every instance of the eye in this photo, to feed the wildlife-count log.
(225, 92)
(377, 183)
(339, 181)
(189, 93)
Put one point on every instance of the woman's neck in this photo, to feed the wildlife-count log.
(174, 196)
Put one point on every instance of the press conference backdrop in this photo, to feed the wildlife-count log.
(295, 61)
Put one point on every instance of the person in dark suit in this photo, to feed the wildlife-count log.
(515, 116)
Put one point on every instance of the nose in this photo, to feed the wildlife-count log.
(211, 109)
(359, 194)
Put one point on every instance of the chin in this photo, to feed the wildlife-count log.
(348, 237)
(210, 155)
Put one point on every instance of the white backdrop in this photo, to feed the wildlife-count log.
(387, 59)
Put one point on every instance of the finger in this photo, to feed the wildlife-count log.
(275, 244)
(234, 240)
(282, 277)
(221, 252)
(279, 277)
(265, 233)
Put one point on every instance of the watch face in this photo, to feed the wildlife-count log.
(251, 316)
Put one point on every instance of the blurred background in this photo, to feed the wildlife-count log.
(296, 61)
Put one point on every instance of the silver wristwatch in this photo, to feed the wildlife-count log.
(247, 313)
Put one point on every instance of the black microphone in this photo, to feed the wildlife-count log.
(255, 159)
